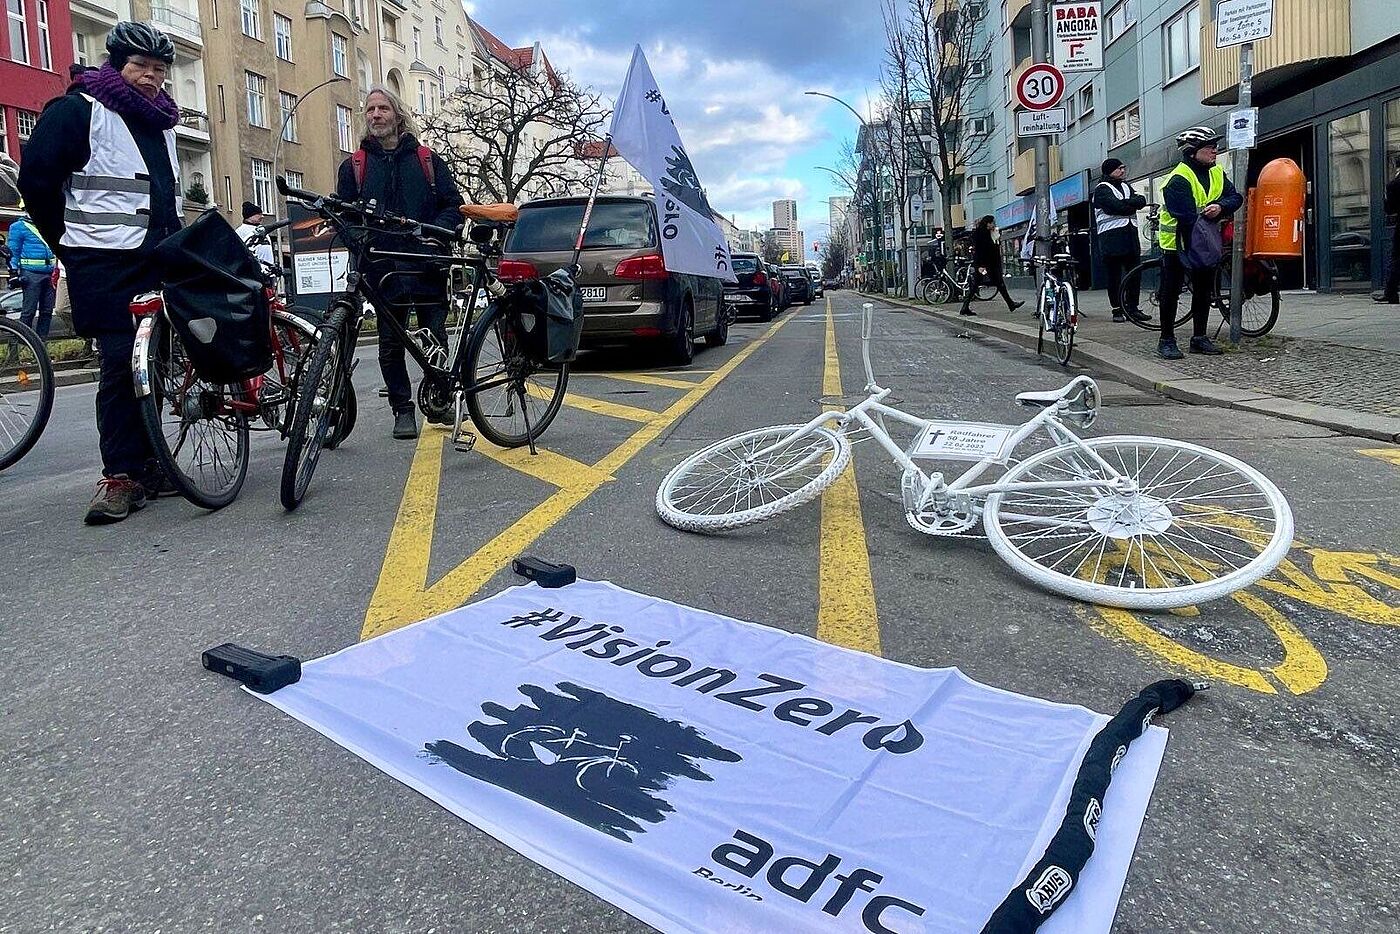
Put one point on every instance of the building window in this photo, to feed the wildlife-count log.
(422, 96)
(4, 133)
(461, 67)
(417, 44)
(977, 183)
(979, 126)
(977, 69)
(19, 31)
(228, 193)
(1086, 100)
(437, 31)
(262, 183)
(1125, 125)
(80, 48)
(288, 103)
(390, 29)
(257, 98)
(252, 17)
(282, 33)
(340, 63)
(223, 113)
(342, 128)
(1181, 40)
(1349, 152)
(296, 179)
(1120, 19)
(45, 52)
(25, 123)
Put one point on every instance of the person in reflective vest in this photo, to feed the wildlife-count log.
(33, 262)
(100, 178)
(1197, 191)
(1115, 215)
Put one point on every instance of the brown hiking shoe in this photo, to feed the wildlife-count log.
(117, 497)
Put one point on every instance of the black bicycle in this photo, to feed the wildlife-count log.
(1258, 309)
(493, 374)
(26, 389)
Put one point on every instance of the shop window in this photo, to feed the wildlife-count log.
(1349, 151)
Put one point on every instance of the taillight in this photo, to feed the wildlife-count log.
(144, 306)
(514, 270)
(760, 279)
(651, 266)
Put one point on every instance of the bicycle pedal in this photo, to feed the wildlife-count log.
(463, 440)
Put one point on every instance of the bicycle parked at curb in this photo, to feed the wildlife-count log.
(491, 375)
(947, 287)
(199, 431)
(1258, 310)
(26, 389)
(1127, 521)
(1057, 303)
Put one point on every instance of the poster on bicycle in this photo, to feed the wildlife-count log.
(319, 265)
(708, 774)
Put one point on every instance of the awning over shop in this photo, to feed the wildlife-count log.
(1065, 193)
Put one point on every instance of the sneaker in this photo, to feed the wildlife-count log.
(1204, 345)
(405, 425)
(1118, 317)
(1138, 316)
(116, 498)
(1168, 350)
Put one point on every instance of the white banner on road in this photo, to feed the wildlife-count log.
(646, 136)
(707, 774)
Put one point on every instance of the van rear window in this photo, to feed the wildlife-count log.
(744, 264)
(553, 228)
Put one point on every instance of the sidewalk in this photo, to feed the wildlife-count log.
(1332, 360)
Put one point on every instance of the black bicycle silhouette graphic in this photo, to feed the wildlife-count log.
(549, 745)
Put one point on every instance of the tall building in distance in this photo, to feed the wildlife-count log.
(785, 214)
(837, 210)
(785, 229)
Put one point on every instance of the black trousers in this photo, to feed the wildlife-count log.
(993, 277)
(1116, 267)
(1174, 276)
(1392, 276)
(432, 316)
(121, 433)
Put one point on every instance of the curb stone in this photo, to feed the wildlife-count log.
(1145, 374)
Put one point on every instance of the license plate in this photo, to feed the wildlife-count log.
(594, 293)
(735, 297)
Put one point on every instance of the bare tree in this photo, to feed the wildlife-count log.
(947, 54)
(895, 136)
(835, 252)
(771, 251)
(517, 134)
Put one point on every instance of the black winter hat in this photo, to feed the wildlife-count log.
(1110, 166)
(249, 209)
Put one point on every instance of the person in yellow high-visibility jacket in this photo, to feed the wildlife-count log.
(1196, 191)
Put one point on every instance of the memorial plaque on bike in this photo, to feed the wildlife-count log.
(963, 441)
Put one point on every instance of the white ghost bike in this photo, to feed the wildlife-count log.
(1126, 521)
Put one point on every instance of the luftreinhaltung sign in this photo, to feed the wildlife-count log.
(708, 774)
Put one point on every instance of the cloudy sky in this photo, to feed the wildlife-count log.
(733, 72)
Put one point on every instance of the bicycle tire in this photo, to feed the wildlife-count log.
(939, 292)
(1265, 314)
(521, 371)
(1104, 513)
(20, 442)
(719, 460)
(320, 379)
(1064, 319)
(347, 413)
(200, 481)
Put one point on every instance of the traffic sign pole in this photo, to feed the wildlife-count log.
(1241, 180)
(1040, 53)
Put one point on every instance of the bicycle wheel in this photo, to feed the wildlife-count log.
(200, 442)
(1195, 525)
(1143, 280)
(345, 416)
(724, 487)
(516, 385)
(1064, 324)
(318, 399)
(939, 292)
(26, 390)
(1258, 313)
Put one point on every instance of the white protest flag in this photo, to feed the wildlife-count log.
(646, 136)
(1028, 245)
(710, 775)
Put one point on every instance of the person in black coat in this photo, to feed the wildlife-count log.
(1392, 210)
(1115, 214)
(986, 264)
(395, 177)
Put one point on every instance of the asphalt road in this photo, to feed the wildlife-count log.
(140, 793)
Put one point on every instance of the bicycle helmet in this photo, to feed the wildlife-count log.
(1192, 139)
(128, 39)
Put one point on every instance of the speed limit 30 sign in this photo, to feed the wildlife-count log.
(1040, 86)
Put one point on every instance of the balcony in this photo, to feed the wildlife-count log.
(1018, 14)
(1306, 34)
(182, 25)
(193, 128)
(1023, 180)
(1015, 77)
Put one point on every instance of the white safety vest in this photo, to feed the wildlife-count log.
(1106, 222)
(107, 203)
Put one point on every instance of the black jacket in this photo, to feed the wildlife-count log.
(1120, 241)
(986, 254)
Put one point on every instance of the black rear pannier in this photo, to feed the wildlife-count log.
(551, 314)
(215, 300)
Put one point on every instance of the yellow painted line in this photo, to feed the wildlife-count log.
(549, 466)
(846, 613)
(648, 379)
(1386, 454)
(597, 406)
(403, 594)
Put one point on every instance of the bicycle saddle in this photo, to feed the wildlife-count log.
(1040, 399)
(497, 213)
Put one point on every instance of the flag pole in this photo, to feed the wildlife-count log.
(588, 208)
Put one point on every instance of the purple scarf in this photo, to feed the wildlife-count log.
(112, 90)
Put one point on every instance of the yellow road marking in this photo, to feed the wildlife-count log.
(597, 406)
(648, 380)
(549, 466)
(403, 594)
(846, 613)
(1386, 454)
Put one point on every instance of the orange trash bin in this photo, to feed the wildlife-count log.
(1277, 212)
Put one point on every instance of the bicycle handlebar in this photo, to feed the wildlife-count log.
(337, 205)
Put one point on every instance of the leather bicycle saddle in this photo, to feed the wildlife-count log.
(497, 213)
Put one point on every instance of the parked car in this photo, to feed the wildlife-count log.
(816, 277)
(753, 295)
(780, 289)
(832, 284)
(798, 283)
(629, 296)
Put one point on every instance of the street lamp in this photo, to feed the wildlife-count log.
(879, 226)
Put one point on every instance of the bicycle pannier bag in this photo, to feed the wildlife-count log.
(215, 300)
(551, 315)
(1204, 246)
